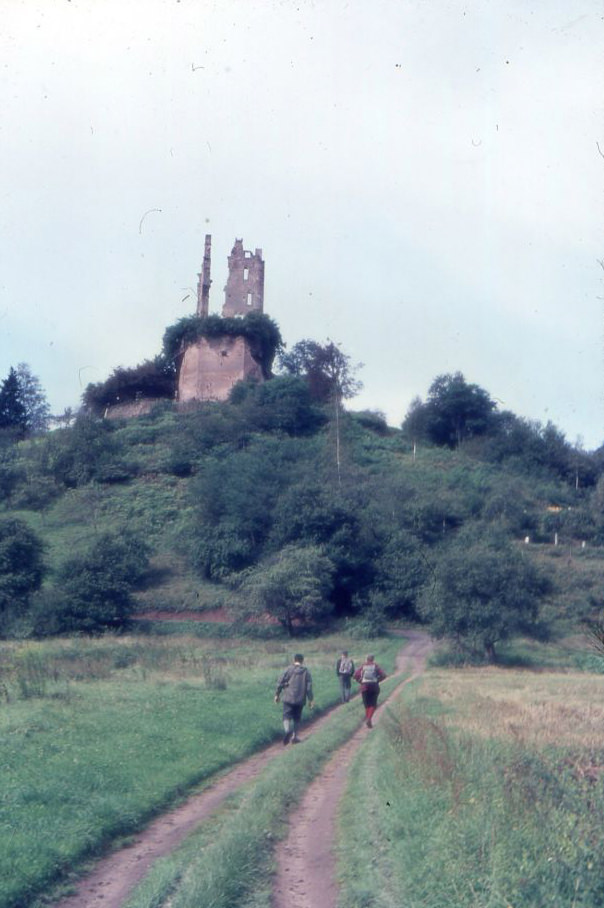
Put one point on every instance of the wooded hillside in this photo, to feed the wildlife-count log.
(278, 502)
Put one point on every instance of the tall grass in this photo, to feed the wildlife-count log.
(229, 862)
(96, 736)
(479, 789)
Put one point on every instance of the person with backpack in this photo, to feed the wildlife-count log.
(344, 671)
(369, 676)
(296, 685)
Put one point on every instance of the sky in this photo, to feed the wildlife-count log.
(425, 180)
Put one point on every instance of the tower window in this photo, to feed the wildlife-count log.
(249, 299)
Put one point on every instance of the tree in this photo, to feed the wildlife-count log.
(94, 590)
(453, 412)
(400, 573)
(311, 512)
(326, 368)
(291, 586)
(13, 414)
(483, 591)
(233, 498)
(23, 405)
(34, 399)
(330, 376)
(21, 564)
(415, 423)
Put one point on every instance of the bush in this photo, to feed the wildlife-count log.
(21, 565)
(483, 591)
(152, 378)
(87, 451)
(291, 586)
(93, 591)
(282, 404)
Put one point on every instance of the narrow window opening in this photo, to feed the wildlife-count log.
(249, 299)
(246, 273)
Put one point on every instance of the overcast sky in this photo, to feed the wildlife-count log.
(425, 180)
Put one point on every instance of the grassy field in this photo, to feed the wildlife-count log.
(483, 788)
(479, 787)
(96, 736)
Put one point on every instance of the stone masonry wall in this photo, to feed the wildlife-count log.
(244, 291)
(211, 366)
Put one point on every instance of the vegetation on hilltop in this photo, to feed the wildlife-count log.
(157, 378)
(239, 493)
(260, 331)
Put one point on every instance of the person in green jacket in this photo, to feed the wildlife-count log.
(294, 689)
(345, 671)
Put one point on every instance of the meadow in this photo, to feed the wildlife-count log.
(479, 787)
(99, 735)
(489, 794)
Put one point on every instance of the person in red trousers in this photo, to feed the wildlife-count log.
(369, 676)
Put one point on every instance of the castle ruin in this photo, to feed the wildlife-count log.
(209, 367)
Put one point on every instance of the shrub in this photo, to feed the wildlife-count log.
(93, 591)
(21, 564)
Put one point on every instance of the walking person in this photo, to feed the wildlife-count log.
(345, 671)
(369, 676)
(296, 685)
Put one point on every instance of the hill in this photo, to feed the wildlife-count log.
(267, 503)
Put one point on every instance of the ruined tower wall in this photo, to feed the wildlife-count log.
(204, 280)
(211, 366)
(244, 290)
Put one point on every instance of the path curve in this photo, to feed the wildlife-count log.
(113, 877)
(305, 860)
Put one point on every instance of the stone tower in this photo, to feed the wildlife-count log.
(209, 367)
(244, 291)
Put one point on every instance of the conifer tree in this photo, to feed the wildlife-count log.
(13, 412)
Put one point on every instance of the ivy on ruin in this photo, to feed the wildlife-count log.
(260, 331)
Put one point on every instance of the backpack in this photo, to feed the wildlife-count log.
(369, 674)
(345, 667)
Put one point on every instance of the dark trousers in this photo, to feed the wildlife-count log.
(292, 711)
(344, 688)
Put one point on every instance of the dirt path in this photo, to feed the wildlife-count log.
(305, 860)
(113, 878)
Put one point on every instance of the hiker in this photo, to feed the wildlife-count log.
(296, 684)
(344, 671)
(369, 676)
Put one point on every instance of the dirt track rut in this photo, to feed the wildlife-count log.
(305, 859)
(306, 863)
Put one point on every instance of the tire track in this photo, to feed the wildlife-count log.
(305, 860)
(113, 878)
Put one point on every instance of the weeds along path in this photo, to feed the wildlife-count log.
(305, 860)
(113, 878)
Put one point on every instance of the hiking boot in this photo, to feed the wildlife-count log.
(368, 723)
(287, 737)
(296, 739)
